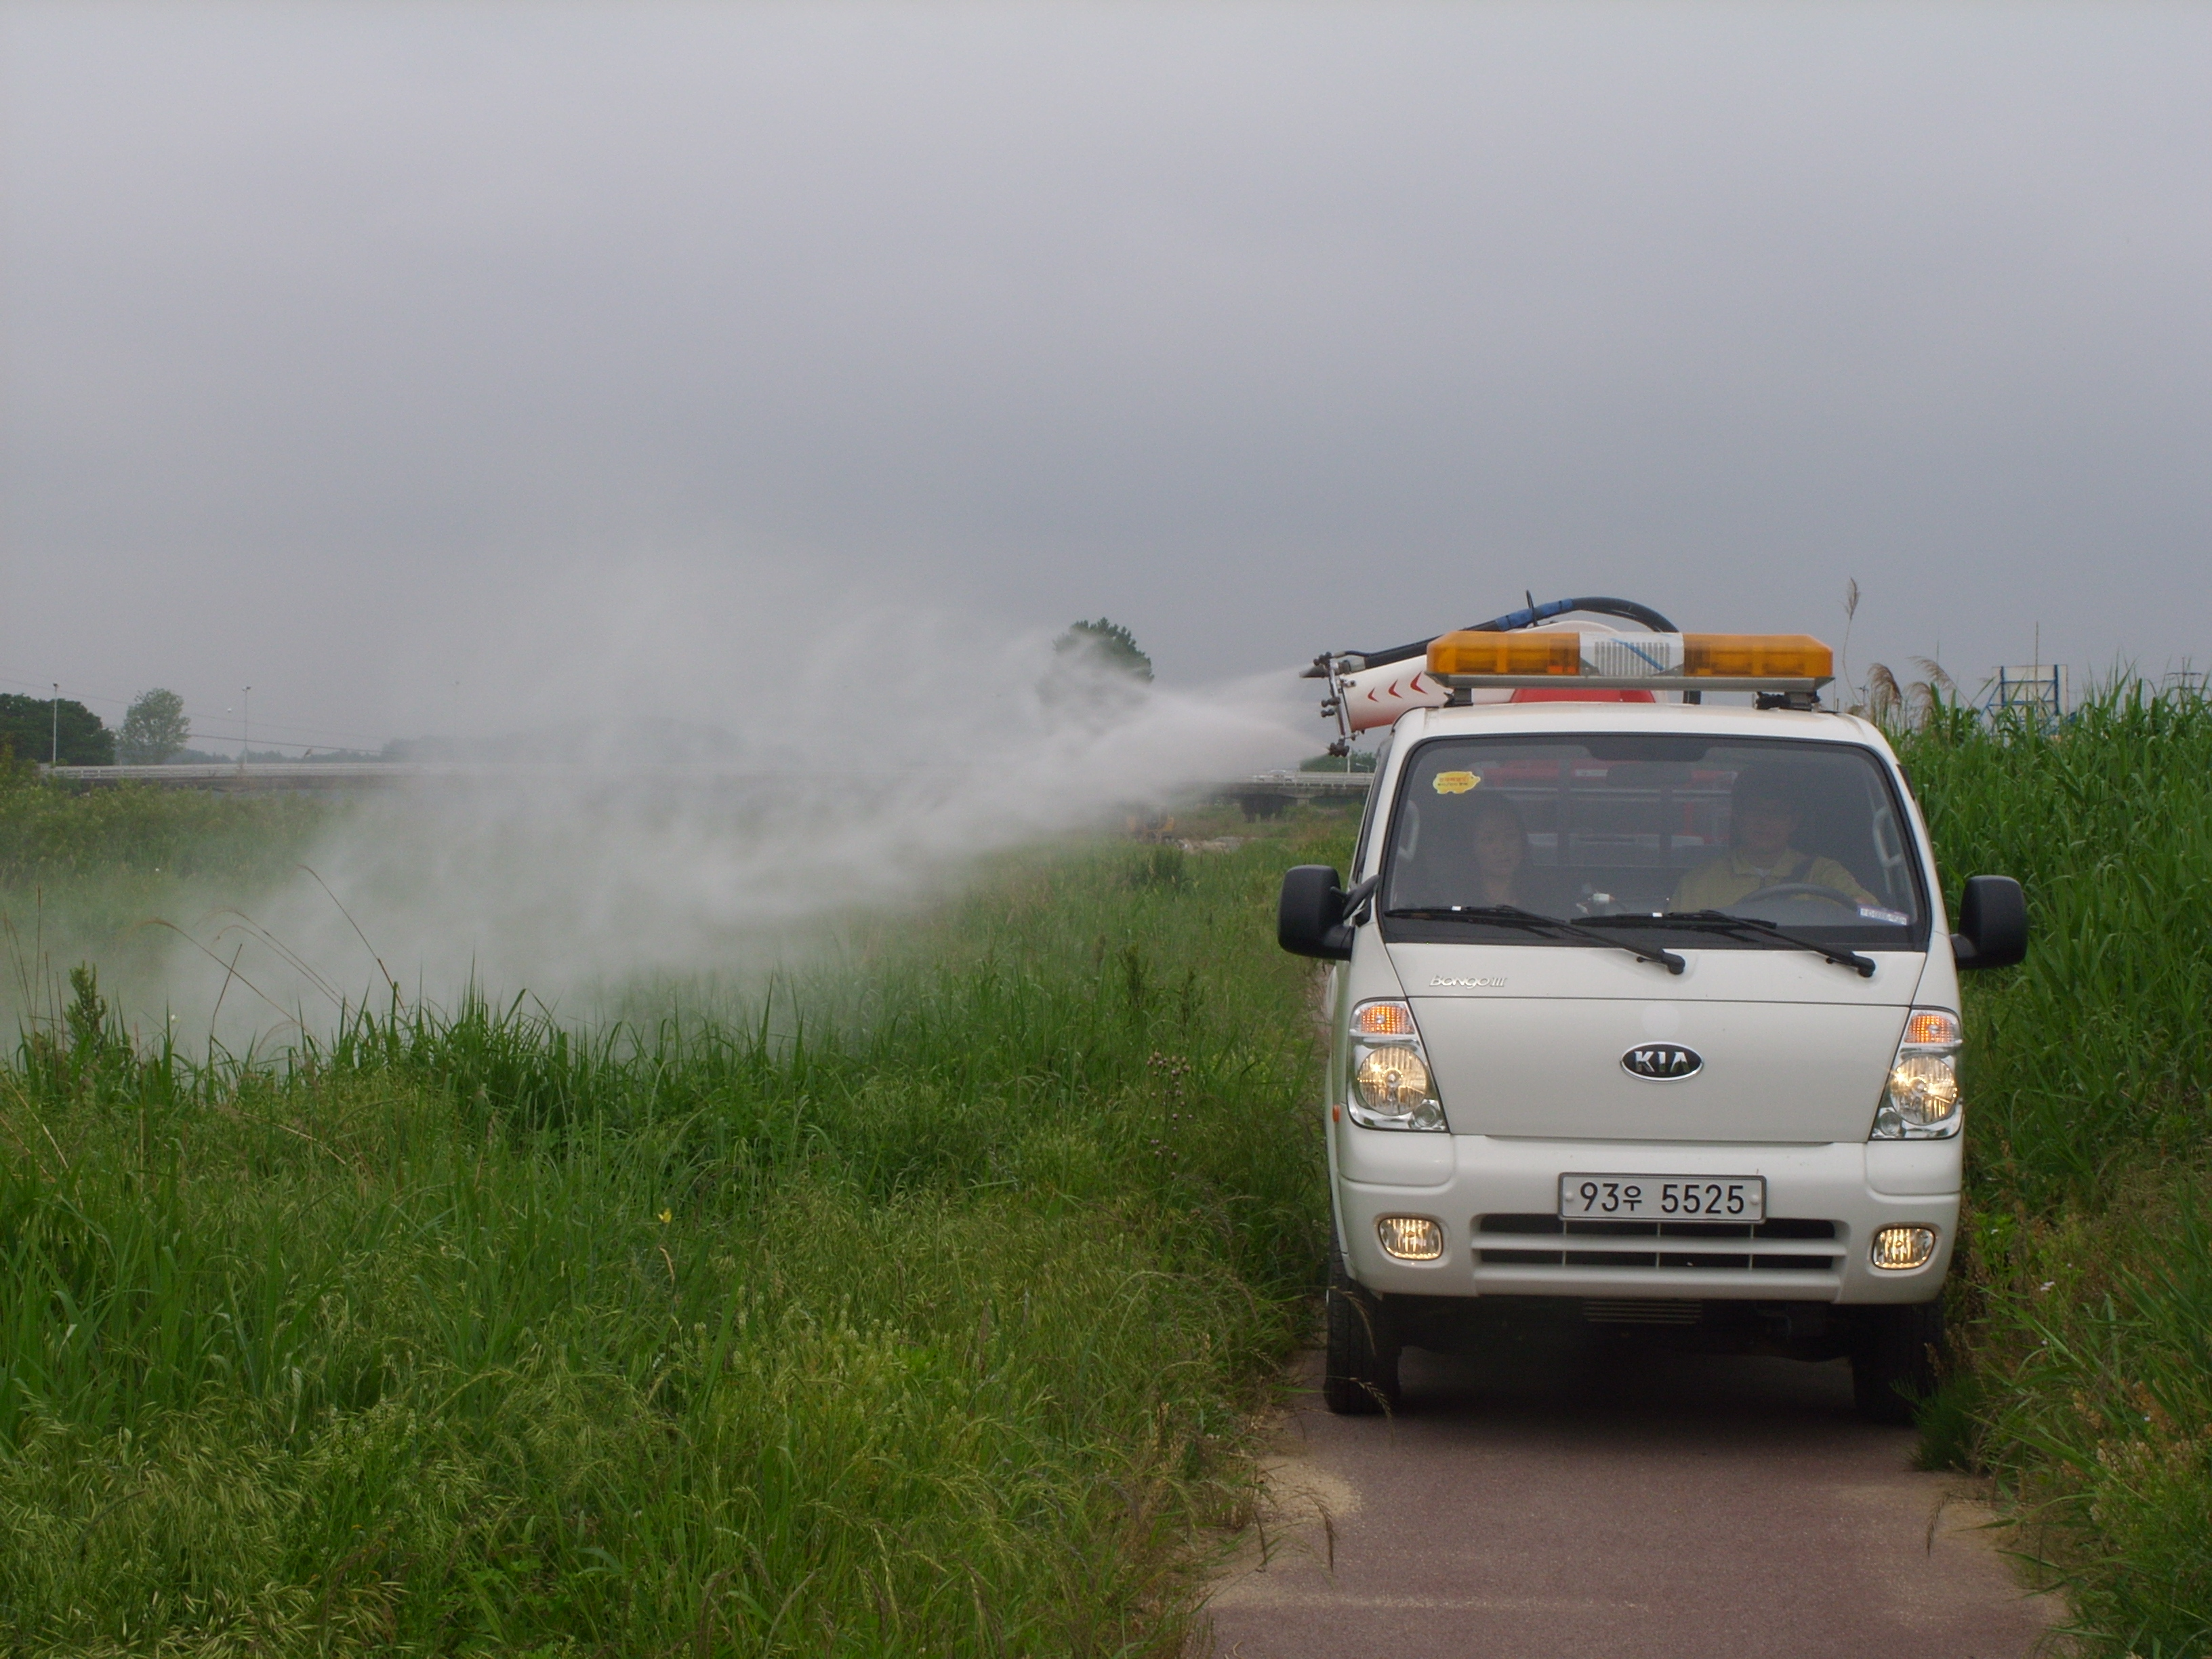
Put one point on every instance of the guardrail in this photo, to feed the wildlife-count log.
(261, 775)
(1263, 794)
(1268, 794)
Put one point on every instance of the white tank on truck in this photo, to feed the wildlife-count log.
(1644, 1009)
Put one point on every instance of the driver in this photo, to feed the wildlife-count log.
(1501, 847)
(1764, 821)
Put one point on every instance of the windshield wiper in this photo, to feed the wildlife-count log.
(1720, 921)
(1513, 915)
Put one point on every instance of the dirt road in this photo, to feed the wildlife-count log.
(1602, 1503)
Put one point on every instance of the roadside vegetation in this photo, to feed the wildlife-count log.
(93, 875)
(2085, 1310)
(57, 837)
(921, 1311)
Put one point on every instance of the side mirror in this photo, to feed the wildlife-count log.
(1992, 923)
(1310, 918)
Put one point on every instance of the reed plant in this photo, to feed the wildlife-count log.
(2086, 1303)
(919, 1312)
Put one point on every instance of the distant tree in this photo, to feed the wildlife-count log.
(29, 723)
(1107, 645)
(153, 728)
(1098, 675)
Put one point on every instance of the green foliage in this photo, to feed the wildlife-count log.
(49, 833)
(919, 1311)
(1363, 760)
(29, 728)
(1105, 645)
(2088, 1272)
(2094, 1397)
(2095, 1051)
(153, 728)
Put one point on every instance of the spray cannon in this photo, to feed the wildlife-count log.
(1373, 688)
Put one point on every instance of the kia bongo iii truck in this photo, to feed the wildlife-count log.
(1645, 1013)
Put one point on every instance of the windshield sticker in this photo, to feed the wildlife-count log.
(1875, 913)
(1456, 783)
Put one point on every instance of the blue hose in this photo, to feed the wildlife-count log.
(1528, 617)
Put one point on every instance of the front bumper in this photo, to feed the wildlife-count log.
(1492, 1197)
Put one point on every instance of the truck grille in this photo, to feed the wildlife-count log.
(1511, 1240)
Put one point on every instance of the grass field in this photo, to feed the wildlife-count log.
(80, 874)
(923, 1315)
(923, 1310)
(2087, 1297)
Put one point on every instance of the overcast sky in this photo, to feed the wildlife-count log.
(338, 338)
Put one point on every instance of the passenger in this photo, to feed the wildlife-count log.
(1501, 848)
(1763, 823)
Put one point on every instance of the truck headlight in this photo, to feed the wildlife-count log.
(1920, 1102)
(1390, 1080)
(1391, 1088)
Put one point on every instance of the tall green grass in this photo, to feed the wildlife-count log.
(916, 1310)
(2088, 1294)
(52, 833)
(83, 874)
(2098, 1048)
(919, 1313)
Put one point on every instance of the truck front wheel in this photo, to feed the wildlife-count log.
(1894, 1359)
(1361, 1373)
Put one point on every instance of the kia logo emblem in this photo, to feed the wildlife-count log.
(1662, 1062)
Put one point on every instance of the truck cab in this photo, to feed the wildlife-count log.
(1645, 1014)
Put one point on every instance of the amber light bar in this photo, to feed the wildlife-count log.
(1720, 661)
(1756, 657)
(1471, 651)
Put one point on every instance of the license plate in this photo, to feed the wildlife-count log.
(1661, 1198)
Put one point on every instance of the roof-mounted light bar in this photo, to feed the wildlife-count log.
(1651, 662)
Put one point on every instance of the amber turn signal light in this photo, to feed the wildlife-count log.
(1931, 1028)
(1384, 1019)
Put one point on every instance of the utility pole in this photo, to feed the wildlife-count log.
(245, 724)
(54, 755)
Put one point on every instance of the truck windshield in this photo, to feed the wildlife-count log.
(1663, 837)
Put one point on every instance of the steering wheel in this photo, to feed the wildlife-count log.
(1802, 890)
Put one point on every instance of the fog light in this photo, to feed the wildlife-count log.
(1897, 1249)
(1410, 1237)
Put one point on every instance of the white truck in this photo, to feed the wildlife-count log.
(1645, 1011)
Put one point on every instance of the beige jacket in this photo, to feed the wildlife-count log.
(1732, 877)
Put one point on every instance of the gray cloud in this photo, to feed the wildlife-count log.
(334, 334)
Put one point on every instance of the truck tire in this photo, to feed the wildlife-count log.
(1361, 1375)
(1895, 1360)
